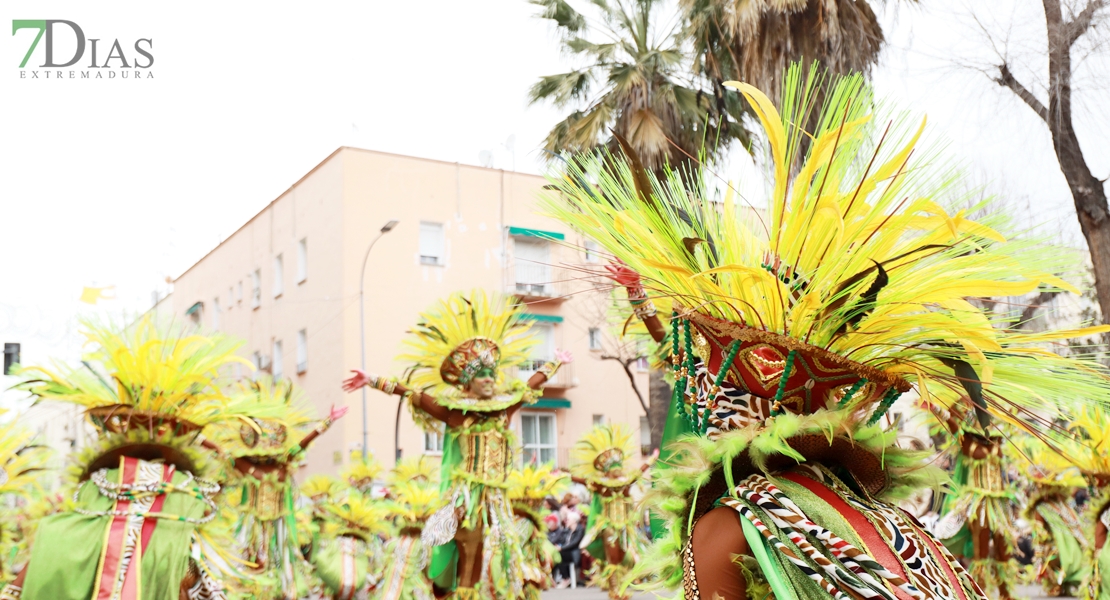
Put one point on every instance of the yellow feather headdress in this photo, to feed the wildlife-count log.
(21, 462)
(416, 469)
(141, 374)
(361, 470)
(602, 452)
(536, 483)
(357, 513)
(321, 487)
(414, 501)
(270, 417)
(462, 333)
(852, 285)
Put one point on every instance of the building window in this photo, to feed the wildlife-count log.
(538, 434)
(194, 313)
(239, 298)
(595, 338)
(431, 243)
(215, 313)
(302, 351)
(279, 276)
(542, 351)
(643, 360)
(256, 358)
(256, 288)
(532, 266)
(277, 360)
(302, 260)
(433, 439)
(645, 436)
(599, 420)
(592, 251)
(230, 296)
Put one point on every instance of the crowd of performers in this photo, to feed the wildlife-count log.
(790, 327)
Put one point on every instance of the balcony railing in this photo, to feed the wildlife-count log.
(535, 281)
(563, 379)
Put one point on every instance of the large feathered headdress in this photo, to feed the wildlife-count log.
(536, 483)
(462, 335)
(603, 451)
(851, 287)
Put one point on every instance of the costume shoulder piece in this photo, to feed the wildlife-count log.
(462, 336)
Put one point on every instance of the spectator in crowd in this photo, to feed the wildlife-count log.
(569, 551)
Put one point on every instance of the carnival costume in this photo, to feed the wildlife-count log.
(141, 526)
(348, 556)
(405, 558)
(600, 461)
(794, 330)
(1059, 536)
(458, 353)
(979, 513)
(264, 451)
(21, 465)
(528, 487)
(361, 472)
(1090, 452)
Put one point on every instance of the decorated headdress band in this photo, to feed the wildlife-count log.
(469, 359)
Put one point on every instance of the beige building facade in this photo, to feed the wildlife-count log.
(287, 284)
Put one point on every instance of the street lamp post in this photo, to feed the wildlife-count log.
(362, 328)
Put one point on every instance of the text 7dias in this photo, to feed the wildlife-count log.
(142, 47)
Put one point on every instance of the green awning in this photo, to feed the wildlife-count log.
(551, 403)
(194, 308)
(536, 233)
(541, 318)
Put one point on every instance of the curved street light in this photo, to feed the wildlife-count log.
(362, 329)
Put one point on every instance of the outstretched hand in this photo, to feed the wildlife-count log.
(622, 274)
(355, 381)
(564, 356)
(337, 412)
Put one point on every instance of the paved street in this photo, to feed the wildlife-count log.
(1028, 592)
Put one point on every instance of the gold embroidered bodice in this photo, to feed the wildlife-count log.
(486, 450)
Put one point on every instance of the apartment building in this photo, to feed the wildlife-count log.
(287, 283)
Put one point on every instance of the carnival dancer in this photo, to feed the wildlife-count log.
(792, 333)
(404, 573)
(1059, 537)
(142, 525)
(458, 352)
(977, 517)
(21, 466)
(1091, 453)
(599, 461)
(361, 472)
(528, 487)
(348, 557)
(265, 452)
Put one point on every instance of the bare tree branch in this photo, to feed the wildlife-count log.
(1036, 303)
(626, 364)
(1079, 25)
(1006, 79)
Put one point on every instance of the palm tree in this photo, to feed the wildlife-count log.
(636, 82)
(756, 40)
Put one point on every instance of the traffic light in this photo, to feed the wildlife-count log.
(11, 356)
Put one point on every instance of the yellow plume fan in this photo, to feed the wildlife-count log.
(536, 483)
(1091, 451)
(415, 469)
(21, 462)
(358, 512)
(264, 417)
(321, 487)
(459, 319)
(602, 452)
(147, 374)
(361, 469)
(414, 501)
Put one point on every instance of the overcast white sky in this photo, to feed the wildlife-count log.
(125, 182)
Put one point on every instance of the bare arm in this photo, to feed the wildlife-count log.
(637, 297)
